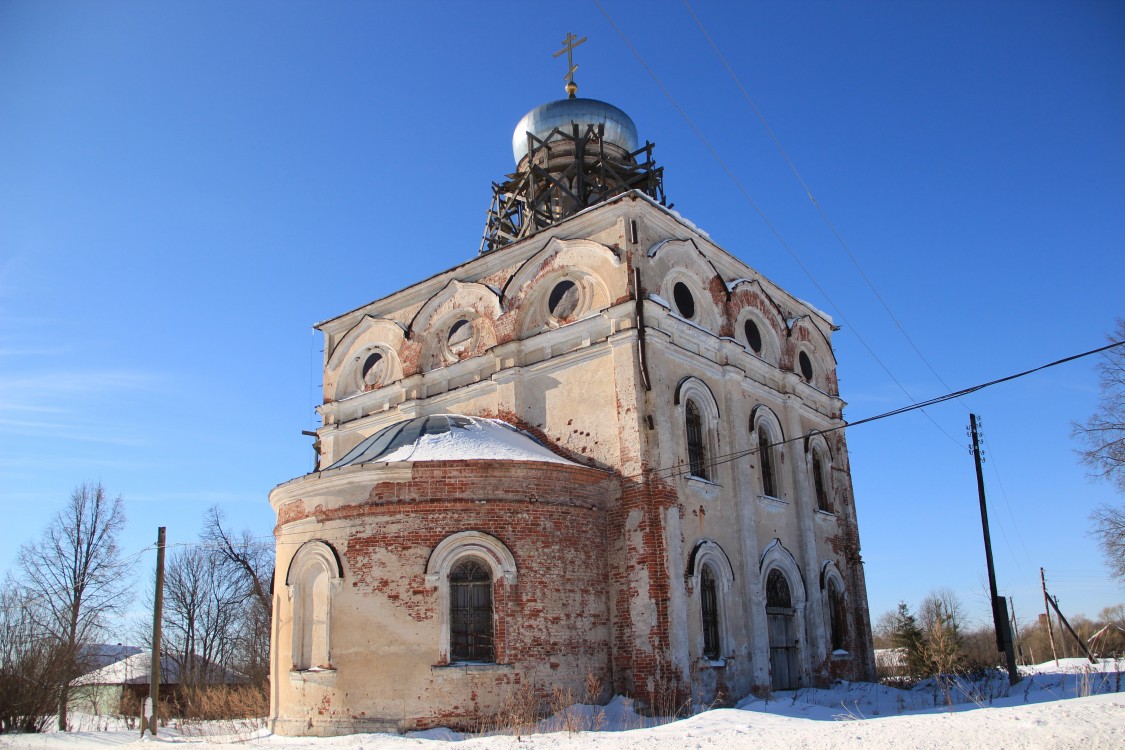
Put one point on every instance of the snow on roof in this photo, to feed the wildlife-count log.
(137, 670)
(449, 437)
(97, 655)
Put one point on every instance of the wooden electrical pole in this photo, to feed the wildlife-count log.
(1016, 630)
(1062, 618)
(1047, 611)
(148, 720)
(999, 606)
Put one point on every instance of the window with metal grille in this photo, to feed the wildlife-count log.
(765, 460)
(837, 622)
(696, 445)
(710, 606)
(470, 607)
(777, 590)
(819, 483)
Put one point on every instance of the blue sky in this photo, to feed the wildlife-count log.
(186, 187)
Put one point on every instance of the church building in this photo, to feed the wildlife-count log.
(604, 451)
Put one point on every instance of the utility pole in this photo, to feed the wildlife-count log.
(148, 719)
(1047, 614)
(999, 606)
(1016, 630)
(1054, 602)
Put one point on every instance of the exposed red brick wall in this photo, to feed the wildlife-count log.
(553, 519)
(846, 550)
(641, 650)
(568, 528)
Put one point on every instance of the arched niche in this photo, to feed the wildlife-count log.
(810, 354)
(312, 581)
(344, 370)
(750, 304)
(594, 270)
(456, 323)
(776, 556)
(686, 279)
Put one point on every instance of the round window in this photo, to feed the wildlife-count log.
(373, 369)
(460, 337)
(563, 300)
(685, 302)
(753, 336)
(806, 366)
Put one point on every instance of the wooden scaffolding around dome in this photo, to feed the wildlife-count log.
(562, 174)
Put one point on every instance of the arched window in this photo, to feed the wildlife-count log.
(696, 441)
(470, 611)
(471, 571)
(820, 481)
(777, 590)
(709, 601)
(765, 462)
(314, 574)
(753, 335)
(711, 576)
(700, 419)
(837, 617)
(805, 366)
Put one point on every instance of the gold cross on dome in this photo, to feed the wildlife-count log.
(570, 44)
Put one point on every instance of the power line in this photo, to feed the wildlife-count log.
(679, 468)
(1008, 507)
(761, 214)
(812, 199)
(683, 467)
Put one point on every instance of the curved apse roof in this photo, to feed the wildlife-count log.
(448, 437)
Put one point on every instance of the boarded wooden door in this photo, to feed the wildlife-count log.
(781, 622)
(783, 648)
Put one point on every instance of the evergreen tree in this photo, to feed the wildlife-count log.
(907, 635)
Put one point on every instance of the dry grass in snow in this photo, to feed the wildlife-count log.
(1073, 705)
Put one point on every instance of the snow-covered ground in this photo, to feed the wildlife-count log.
(1070, 705)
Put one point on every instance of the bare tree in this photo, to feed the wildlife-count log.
(204, 610)
(884, 628)
(1113, 615)
(29, 663)
(941, 604)
(252, 556)
(1103, 434)
(1109, 529)
(1103, 439)
(251, 559)
(76, 576)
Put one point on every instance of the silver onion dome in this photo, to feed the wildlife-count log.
(619, 127)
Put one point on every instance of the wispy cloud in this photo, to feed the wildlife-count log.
(58, 404)
(62, 383)
(68, 430)
(33, 351)
(205, 498)
(13, 407)
(26, 467)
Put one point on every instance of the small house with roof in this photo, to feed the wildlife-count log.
(121, 686)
